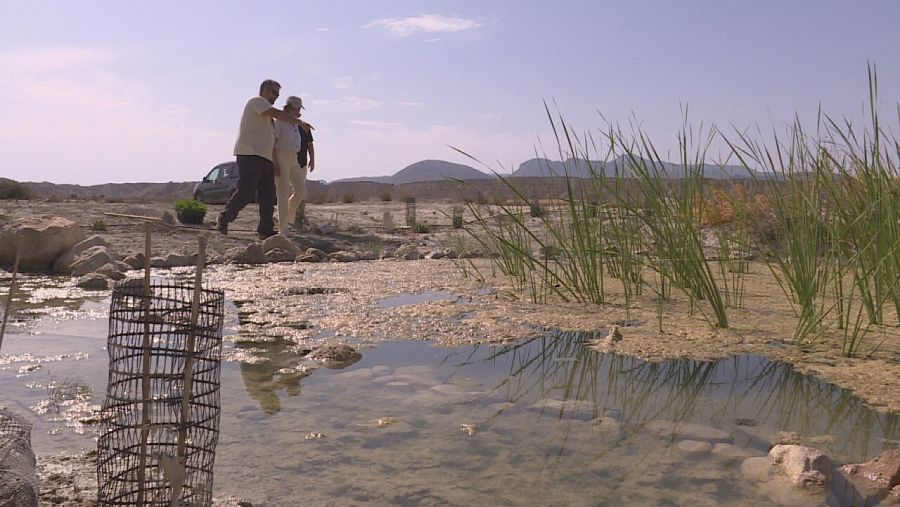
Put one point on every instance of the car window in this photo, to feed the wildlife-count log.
(231, 171)
(213, 175)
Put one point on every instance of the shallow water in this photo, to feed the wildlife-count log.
(543, 422)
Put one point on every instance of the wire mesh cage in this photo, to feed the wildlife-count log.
(18, 482)
(161, 414)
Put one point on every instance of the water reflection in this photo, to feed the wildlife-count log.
(749, 396)
(268, 367)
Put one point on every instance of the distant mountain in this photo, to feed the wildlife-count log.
(149, 191)
(622, 166)
(427, 170)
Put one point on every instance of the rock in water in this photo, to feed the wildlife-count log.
(63, 263)
(804, 466)
(42, 240)
(335, 356)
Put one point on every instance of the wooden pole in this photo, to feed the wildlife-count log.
(9, 296)
(145, 382)
(188, 378)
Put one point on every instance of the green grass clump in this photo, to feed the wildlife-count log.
(98, 225)
(190, 211)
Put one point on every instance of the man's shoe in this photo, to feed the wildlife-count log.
(222, 225)
(266, 235)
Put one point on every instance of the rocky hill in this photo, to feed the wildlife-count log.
(112, 191)
(427, 170)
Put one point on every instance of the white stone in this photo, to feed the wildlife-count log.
(91, 260)
(40, 240)
(694, 447)
(282, 242)
(63, 263)
(804, 466)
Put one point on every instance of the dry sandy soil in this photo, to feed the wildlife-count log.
(486, 309)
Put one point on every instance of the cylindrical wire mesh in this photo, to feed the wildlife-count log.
(18, 482)
(123, 435)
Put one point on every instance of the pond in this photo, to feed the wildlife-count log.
(546, 421)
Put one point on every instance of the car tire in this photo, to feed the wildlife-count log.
(198, 196)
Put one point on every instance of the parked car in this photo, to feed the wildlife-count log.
(217, 186)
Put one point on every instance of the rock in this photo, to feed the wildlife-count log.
(40, 240)
(883, 471)
(758, 469)
(174, 260)
(236, 254)
(335, 356)
(158, 262)
(308, 257)
(368, 256)
(450, 253)
(91, 260)
(406, 252)
(94, 281)
(282, 242)
(344, 256)
(687, 430)
(613, 335)
(254, 254)
(694, 447)
(869, 483)
(785, 438)
(317, 252)
(607, 424)
(279, 255)
(63, 263)
(111, 271)
(136, 261)
(730, 451)
(435, 254)
(804, 466)
(471, 254)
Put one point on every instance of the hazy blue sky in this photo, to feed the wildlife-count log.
(122, 91)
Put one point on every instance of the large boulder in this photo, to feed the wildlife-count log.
(279, 255)
(41, 240)
(63, 263)
(280, 241)
(91, 260)
(804, 466)
(94, 281)
(868, 483)
(254, 254)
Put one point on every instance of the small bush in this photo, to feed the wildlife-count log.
(190, 211)
(12, 189)
(385, 196)
(409, 199)
(98, 225)
(422, 228)
(348, 198)
(354, 229)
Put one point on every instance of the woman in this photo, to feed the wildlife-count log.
(288, 173)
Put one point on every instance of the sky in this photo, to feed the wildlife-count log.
(152, 91)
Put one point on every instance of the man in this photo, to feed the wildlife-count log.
(288, 173)
(254, 151)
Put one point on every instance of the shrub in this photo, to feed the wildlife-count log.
(385, 196)
(348, 198)
(12, 189)
(422, 228)
(190, 211)
(409, 199)
(98, 225)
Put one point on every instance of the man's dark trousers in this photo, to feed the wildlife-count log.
(256, 178)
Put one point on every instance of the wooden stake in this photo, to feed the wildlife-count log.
(9, 296)
(145, 382)
(188, 374)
